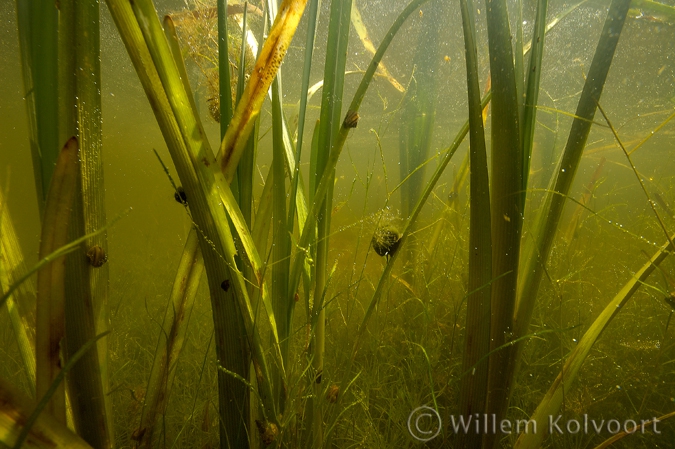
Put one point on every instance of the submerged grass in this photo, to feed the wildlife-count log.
(372, 344)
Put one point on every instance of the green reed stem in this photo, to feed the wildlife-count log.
(245, 169)
(195, 164)
(312, 21)
(418, 115)
(171, 338)
(533, 74)
(38, 24)
(87, 285)
(23, 9)
(224, 83)
(506, 200)
(536, 251)
(50, 318)
(329, 125)
(281, 244)
(473, 394)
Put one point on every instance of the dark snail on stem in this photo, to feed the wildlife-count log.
(386, 240)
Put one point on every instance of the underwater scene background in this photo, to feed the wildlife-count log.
(349, 336)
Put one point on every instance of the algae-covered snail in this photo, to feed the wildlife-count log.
(386, 240)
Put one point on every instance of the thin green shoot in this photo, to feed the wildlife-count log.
(513, 342)
(615, 224)
(652, 204)
(415, 170)
(653, 132)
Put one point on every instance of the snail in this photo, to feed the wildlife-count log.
(385, 241)
(96, 256)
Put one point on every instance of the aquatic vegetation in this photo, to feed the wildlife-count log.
(324, 298)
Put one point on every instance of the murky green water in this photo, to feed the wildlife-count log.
(411, 352)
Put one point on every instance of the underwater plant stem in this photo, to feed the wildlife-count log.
(473, 394)
(235, 332)
(312, 21)
(252, 267)
(611, 440)
(248, 108)
(519, 64)
(326, 178)
(87, 285)
(506, 202)
(42, 30)
(536, 251)
(171, 338)
(224, 83)
(652, 204)
(536, 254)
(418, 115)
(246, 167)
(23, 10)
(329, 126)
(50, 319)
(281, 245)
(533, 75)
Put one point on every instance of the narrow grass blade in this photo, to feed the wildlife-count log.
(519, 63)
(263, 217)
(657, 10)
(23, 9)
(644, 425)
(362, 31)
